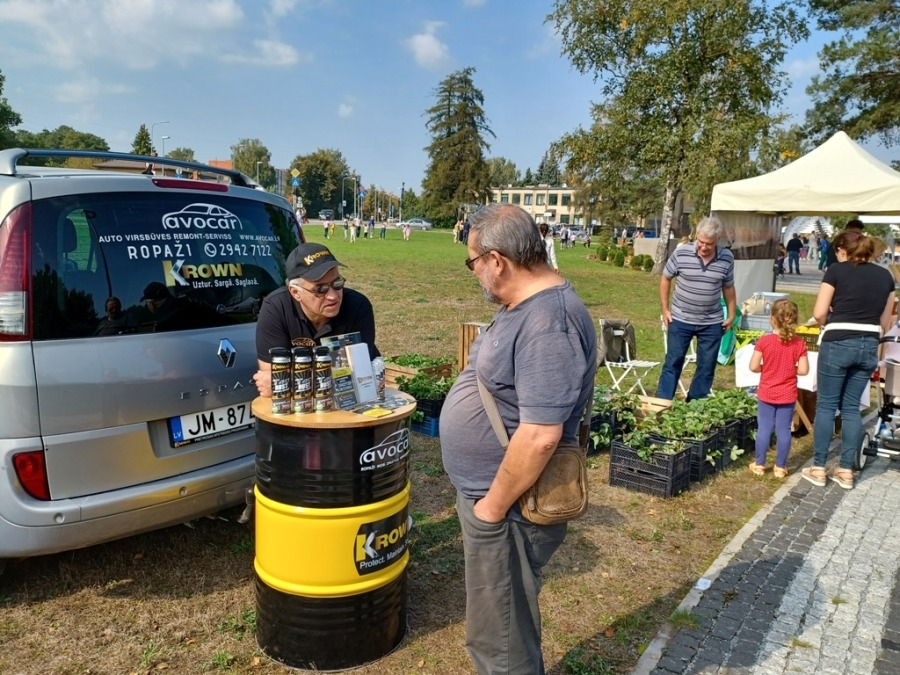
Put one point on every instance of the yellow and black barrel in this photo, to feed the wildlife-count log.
(332, 519)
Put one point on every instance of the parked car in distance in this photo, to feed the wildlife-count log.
(128, 306)
(326, 214)
(416, 224)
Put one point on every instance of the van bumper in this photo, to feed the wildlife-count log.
(30, 527)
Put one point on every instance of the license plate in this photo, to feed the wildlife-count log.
(202, 426)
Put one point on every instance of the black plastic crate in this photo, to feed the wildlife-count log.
(699, 448)
(729, 435)
(430, 407)
(652, 485)
(596, 422)
(748, 426)
(660, 464)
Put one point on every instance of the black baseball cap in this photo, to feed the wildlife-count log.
(155, 291)
(310, 261)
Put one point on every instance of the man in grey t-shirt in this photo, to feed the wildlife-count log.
(538, 360)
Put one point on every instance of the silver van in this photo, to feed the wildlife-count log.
(128, 303)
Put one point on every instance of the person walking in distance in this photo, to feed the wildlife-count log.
(780, 357)
(538, 359)
(794, 247)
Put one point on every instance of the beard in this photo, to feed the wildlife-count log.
(488, 293)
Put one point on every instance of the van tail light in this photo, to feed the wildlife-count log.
(15, 274)
(32, 473)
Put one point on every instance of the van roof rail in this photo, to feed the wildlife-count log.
(9, 159)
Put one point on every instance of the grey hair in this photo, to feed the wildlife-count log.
(711, 227)
(511, 232)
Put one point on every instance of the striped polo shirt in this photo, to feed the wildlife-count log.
(698, 288)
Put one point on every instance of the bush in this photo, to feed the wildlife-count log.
(636, 261)
(602, 251)
(611, 254)
(648, 263)
(619, 260)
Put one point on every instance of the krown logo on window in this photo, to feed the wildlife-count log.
(202, 217)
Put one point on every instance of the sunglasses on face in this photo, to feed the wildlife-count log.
(321, 290)
(470, 263)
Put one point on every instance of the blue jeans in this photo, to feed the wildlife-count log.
(709, 338)
(793, 261)
(775, 416)
(503, 579)
(844, 371)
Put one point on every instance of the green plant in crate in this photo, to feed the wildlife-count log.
(415, 360)
(640, 441)
(425, 387)
(688, 421)
(609, 403)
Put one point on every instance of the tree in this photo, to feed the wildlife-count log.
(457, 171)
(502, 171)
(689, 87)
(528, 178)
(859, 90)
(184, 154)
(61, 138)
(9, 118)
(548, 171)
(321, 177)
(252, 158)
(142, 144)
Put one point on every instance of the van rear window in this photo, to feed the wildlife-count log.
(121, 263)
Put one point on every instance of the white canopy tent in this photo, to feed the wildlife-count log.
(837, 178)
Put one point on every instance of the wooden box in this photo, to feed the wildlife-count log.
(467, 334)
(392, 371)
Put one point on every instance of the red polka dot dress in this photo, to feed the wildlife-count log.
(778, 380)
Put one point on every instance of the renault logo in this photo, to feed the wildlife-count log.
(226, 353)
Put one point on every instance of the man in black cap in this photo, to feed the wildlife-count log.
(314, 303)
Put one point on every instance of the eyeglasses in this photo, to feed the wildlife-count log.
(321, 290)
(470, 263)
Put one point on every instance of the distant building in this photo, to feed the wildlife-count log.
(551, 205)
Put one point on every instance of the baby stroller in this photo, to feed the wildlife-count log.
(885, 439)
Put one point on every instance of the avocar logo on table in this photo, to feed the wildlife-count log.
(390, 451)
(381, 543)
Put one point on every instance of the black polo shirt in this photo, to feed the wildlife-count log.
(282, 323)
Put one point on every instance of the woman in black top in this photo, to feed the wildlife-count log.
(854, 306)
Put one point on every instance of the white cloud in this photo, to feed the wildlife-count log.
(268, 53)
(800, 69)
(281, 8)
(134, 34)
(474, 3)
(345, 110)
(427, 50)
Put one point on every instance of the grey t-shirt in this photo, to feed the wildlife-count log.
(539, 361)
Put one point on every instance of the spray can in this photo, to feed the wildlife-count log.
(281, 380)
(303, 380)
(378, 373)
(324, 389)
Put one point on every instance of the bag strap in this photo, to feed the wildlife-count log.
(493, 413)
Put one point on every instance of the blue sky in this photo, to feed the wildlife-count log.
(299, 75)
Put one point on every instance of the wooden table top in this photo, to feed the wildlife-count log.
(333, 419)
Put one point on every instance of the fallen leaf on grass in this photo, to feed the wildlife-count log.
(610, 632)
(421, 663)
(255, 661)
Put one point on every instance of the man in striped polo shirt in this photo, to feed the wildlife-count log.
(705, 274)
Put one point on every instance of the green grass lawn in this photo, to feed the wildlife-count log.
(422, 292)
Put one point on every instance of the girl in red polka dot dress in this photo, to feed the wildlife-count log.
(780, 357)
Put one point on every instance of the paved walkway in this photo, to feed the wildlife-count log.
(810, 585)
(806, 282)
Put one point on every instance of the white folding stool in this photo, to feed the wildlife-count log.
(629, 368)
